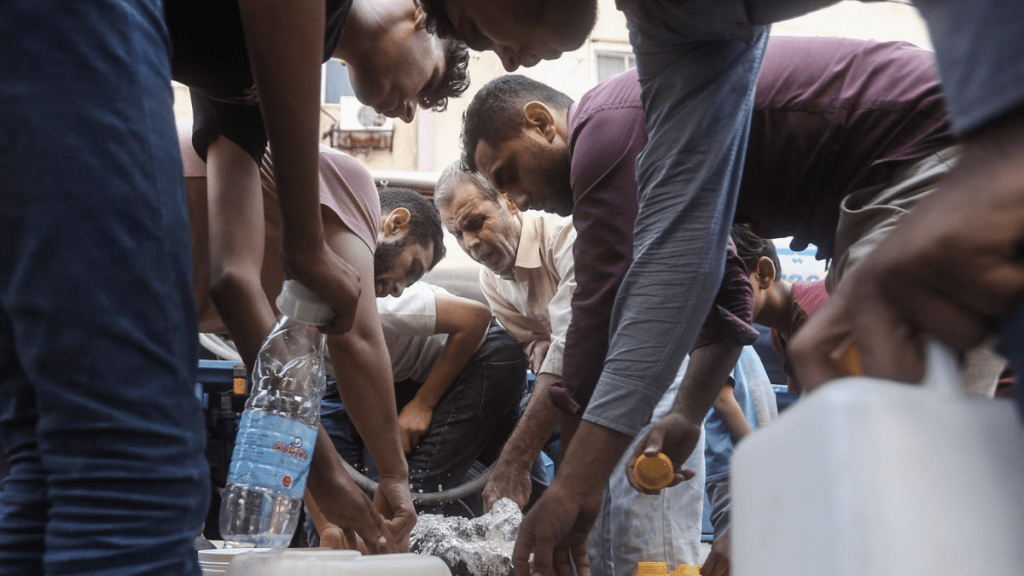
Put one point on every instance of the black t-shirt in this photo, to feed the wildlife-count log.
(211, 58)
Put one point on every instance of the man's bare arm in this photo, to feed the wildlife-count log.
(729, 411)
(465, 321)
(363, 369)
(285, 42)
(677, 433)
(236, 224)
(511, 477)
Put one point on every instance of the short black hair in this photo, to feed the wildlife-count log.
(496, 112)
(456, 77)
(438, 21)
(752, 248)
(425, 221)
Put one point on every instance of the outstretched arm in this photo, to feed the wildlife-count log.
(465, 321)
(285, 42)
(337, 504)
(363, 368)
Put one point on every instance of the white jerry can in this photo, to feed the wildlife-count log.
(866, 477)
(322, 562)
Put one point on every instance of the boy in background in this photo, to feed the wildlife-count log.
(780, 305)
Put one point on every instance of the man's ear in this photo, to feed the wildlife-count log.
(765, 273)
(419, 16)
(505, 199)
(537, 116)
(396, 223)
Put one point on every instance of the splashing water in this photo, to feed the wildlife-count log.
(478, 547)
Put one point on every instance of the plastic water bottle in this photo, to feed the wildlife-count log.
(277, 433)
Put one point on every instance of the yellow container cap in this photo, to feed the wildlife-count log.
(686, 570)
(653, 473)
(651, 569)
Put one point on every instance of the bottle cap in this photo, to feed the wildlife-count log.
(651, 569)
(299, 303)
(653, 473)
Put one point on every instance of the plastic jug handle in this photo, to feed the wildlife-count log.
(942, 370)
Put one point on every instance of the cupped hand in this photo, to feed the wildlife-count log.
(394, 501)
(555, 533)
(676, 437)
(347, 509)
(507, 481)
(332, 536)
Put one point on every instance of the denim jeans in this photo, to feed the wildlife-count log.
(98, 348)
(697, 86)
(471, 422)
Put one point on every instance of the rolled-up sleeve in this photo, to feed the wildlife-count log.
(732, 313)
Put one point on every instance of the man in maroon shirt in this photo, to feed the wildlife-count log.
(593, 174)
(834, 121)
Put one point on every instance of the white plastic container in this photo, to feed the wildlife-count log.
(297, 562)
(216, 562)
(868, 477)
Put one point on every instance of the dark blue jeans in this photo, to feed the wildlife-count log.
(98, 349)
(471, 422)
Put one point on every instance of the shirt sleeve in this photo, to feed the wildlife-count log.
(414, 313)
(732, 313)
(560, 307)
(514, 321)
(605, 147)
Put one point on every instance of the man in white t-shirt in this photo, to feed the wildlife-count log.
(459, 380)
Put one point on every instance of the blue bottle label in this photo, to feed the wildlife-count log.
(273, 452)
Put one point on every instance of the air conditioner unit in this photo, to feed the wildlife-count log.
(356, 116)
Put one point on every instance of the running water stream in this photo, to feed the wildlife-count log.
(478, 547)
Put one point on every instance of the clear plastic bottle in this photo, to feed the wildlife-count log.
(277, 433)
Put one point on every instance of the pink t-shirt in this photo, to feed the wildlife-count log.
(807, 297)
(346, 188)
